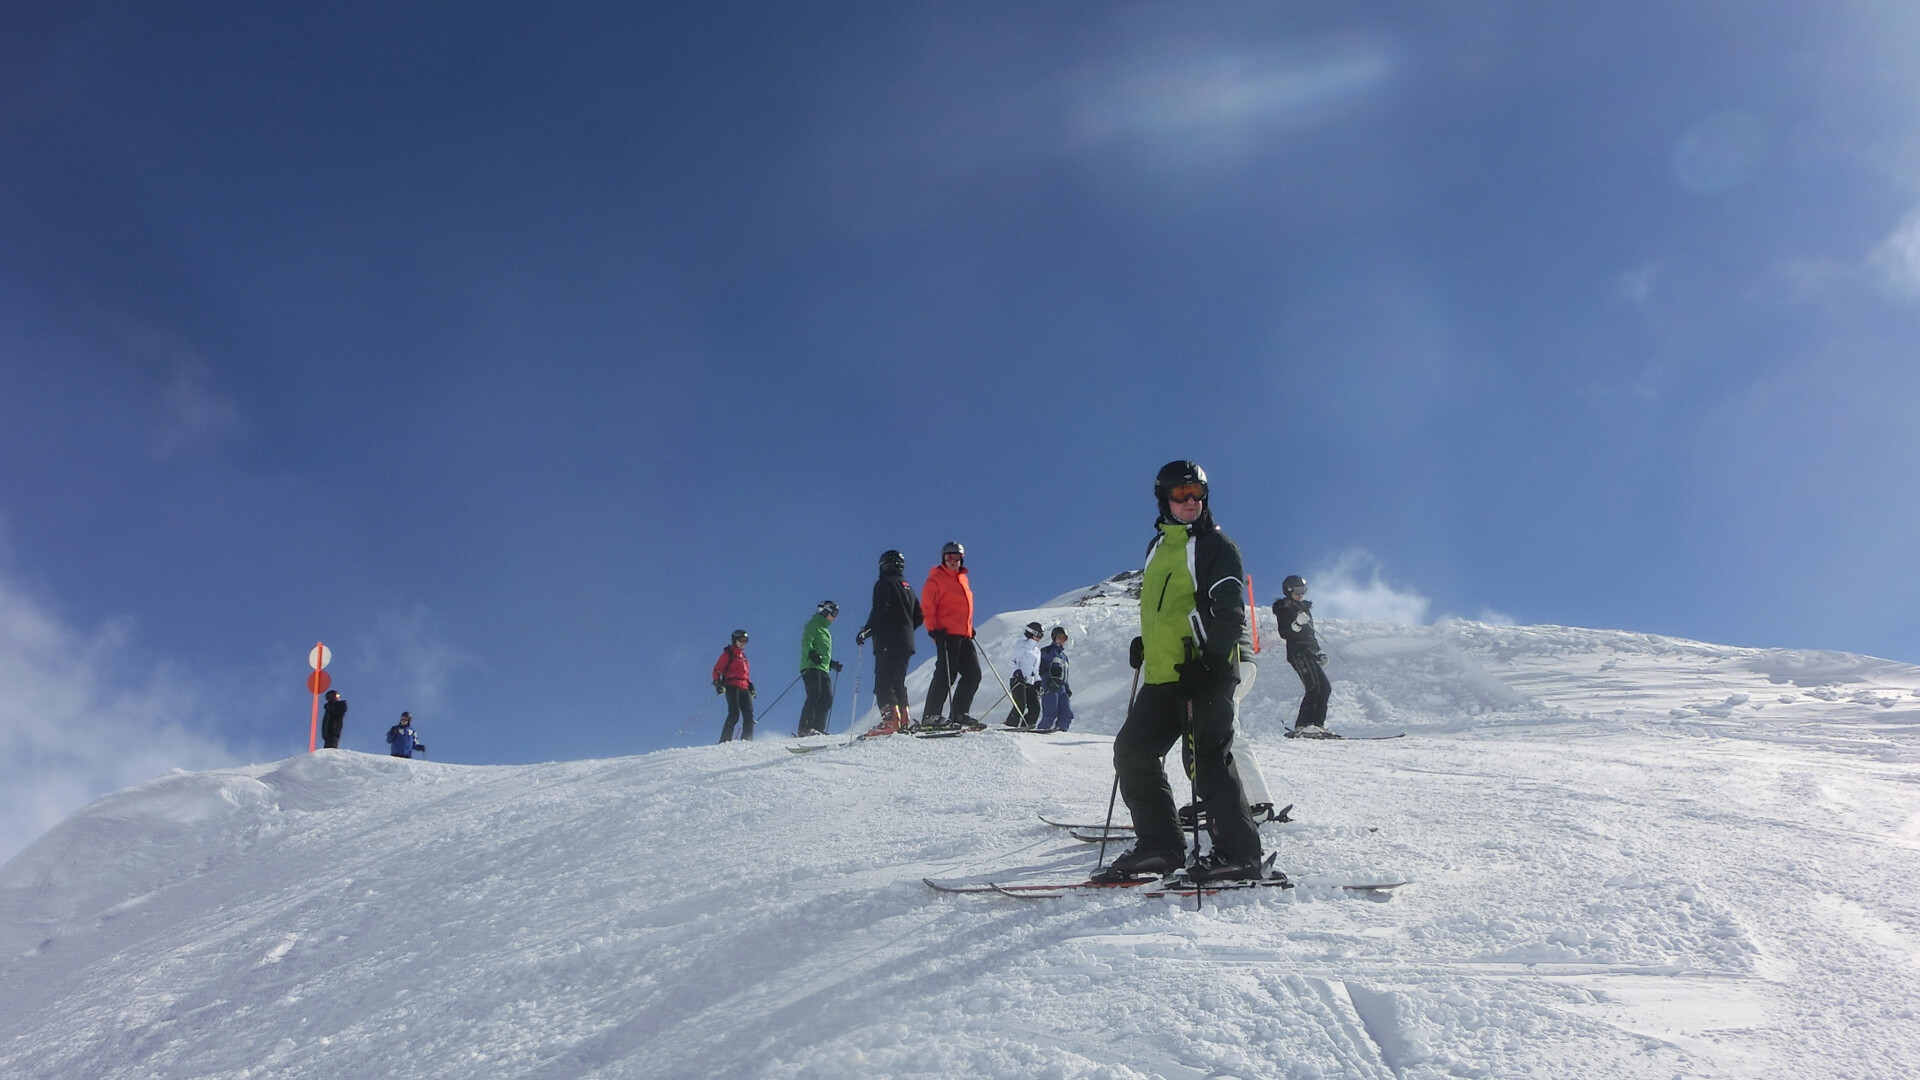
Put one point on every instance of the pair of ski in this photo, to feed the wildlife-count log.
(1321, 733)
(925, 733)
(1093, 834)
(1175, 885)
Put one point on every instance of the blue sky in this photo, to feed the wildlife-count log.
(521, 352)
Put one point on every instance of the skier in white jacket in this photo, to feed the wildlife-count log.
(1023, 685)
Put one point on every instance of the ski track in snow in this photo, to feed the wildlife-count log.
(1630, 857)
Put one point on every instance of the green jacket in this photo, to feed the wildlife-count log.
(1193, 594)
(816, 641)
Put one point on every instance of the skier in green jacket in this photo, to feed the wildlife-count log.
(816, 659)
(1193, 633)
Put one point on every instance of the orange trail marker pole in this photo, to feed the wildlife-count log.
(1253, 614)
(317, 682)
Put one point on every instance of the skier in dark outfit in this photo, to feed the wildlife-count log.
(894, 617)
(733, 677)
(1295, 616)
(1056, 695)
(1193, 632)
(333, 717)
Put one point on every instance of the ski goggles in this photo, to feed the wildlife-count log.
(1187, 492)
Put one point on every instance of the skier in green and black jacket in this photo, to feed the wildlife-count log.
(1193, 632)
(816, 659)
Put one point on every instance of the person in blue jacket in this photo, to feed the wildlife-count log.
(1056, 696)
(401, 738)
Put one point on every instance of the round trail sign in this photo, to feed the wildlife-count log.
(320, 657)
(319, 681)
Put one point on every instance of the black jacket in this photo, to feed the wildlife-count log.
(1296, 625)
(895, 615)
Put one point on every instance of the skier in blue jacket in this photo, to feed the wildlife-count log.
(1056, 696)
(401, 738)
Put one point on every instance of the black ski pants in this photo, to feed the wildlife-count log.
(1313, 677)
(817, 711)
(890, 678)
(1026, 703)
(1163, 714)
(956, 664)
(739, 708)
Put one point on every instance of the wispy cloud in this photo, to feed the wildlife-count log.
(80, 718)
(1896, 261)
(408, 658)
(1353, 588)
(185, 411)
(1211, 92)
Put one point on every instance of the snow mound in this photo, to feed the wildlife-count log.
(1629, 856)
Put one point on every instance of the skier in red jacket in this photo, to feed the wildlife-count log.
(947, 601)
(730, 677)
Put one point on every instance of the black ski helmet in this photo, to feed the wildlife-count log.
(1059, 631)
(740, 636)
(829, 609)
(953, 547)
(1294, 581)
(1172, 475)
(1033, 630)
(894, 561)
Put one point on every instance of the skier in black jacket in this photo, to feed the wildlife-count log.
(333, 718)
(1294, 613)
(890, 623)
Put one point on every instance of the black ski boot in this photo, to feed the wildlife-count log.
(1137, 864)
(1214, 866)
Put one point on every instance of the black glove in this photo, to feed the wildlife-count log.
(420, 746)
(1321, 657)
(861, 637)
(752, 690)
(1136, 654)
(834, 665)
(719, 687)
(813, 656)
(1195, 672)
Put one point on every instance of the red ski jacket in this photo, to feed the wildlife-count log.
(731, 668)
(947, 602)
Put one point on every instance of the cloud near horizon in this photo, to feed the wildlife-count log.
(1352, 588)
(80, 719)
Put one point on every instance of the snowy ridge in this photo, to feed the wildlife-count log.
(1632, 857)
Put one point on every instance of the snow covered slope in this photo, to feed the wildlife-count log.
(1631, 857)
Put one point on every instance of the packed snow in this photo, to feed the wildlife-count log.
(1628, 856)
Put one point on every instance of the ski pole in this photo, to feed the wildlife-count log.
(827, 720)
(853, 715)
(944, 652)
(1004, 691)
(1193, 793)
(695, 716)
(988, 711)
(761, 714)
(1107, 829)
